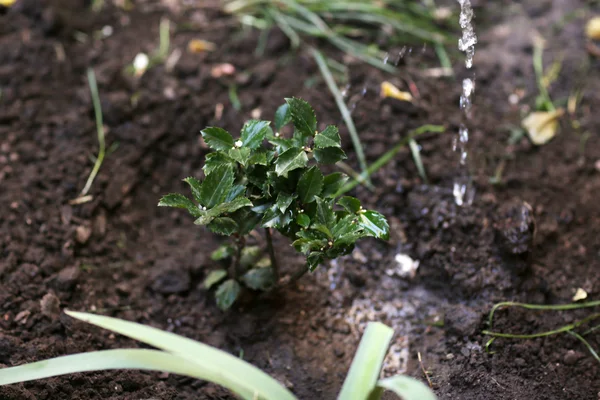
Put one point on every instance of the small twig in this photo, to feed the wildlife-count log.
(424, 370)
(271, 250)
(235, 263)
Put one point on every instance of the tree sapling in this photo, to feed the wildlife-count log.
(277, 185)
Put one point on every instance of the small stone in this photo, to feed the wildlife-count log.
(22, 316)
(82, 234)
(341, 326)
(462, 320)
(67, 278)
(50, 306)
(572, 357)
(597, 165)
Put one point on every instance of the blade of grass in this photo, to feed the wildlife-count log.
(99, 131)
(564, 328)
(366, 365)
(416, 154)
(239, 374)
(557, 307)
(339, 99)
(586, 344)
(407, 388)
(388, 156)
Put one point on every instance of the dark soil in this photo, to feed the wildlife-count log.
(146, 264)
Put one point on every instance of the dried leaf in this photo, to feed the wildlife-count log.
(389, 90)
(200, 46)
(542, 126)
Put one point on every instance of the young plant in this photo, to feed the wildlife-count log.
(250, 184)
(183, 356)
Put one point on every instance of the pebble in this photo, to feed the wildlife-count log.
(462, 320)
(50, 306)
(67, 278)
(82, 234)
(571, 357)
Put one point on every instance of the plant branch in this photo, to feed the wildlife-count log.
(271, 250)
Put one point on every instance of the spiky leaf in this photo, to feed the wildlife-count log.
(303, 220)
(329, 155)
(178, 201)
(254, 132)
(291, 159)
(214, 277)
(259, 157)
(223, 226)
(249, 256)
(217, 138)
(240, 154)
(259, 278)
(375, 224)
(310, 185)
(324, 213)
(214, 160)
(223, 252)
(332, 183)
(346, 226)
(314, 259)
(330, 137)
(195, 185)
(282, 116)
(216, 186)
(283, 201)
(235, 192)
(303, 116)
(207, 216)
(227, 294)
(351, 204)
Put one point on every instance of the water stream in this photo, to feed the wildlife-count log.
(463, 189)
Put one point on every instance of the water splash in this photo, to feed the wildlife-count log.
(463, 189)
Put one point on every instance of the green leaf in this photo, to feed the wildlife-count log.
(247, 220)
(282, 144)
(216, 186)
(345, 226)
(375, 224)
(181, 356)
(330, 137)
(195, 185)
(303, 220)
(235, 192)
(332, 184)
(329, 155)
(214, 160)
(258, 158)
(303, 116)
(240, 154)
(323, 229)
(368, 360)
(249, 256)
(178, 201)
(284, 200)
(289, 160)
(304, 245)
(214, 277)
(324, 213)
(282, 116)
(217, 138)
(207, 216)
(407, 388)
(310, 185)
(273, 218)
(227, 294)
(351, 204)
(223, 226)
(259, 278)
(223, 252)
(254, 132)
(314, 259)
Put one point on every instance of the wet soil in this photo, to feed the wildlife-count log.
(122, 256)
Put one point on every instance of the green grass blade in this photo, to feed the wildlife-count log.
(586, 344)
(416, 154)
(542, 307)
(366, 366)
(245, 378)
(407, 388)
(339, 99)
(144, 359)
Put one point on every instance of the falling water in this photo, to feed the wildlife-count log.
(463, 189)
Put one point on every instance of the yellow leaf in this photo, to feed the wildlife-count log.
(7, 3)
(389, 90)
(592, 29)
(199, 46)
(542, 126)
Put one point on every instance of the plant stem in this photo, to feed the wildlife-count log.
(235, 263)
(271, 250)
